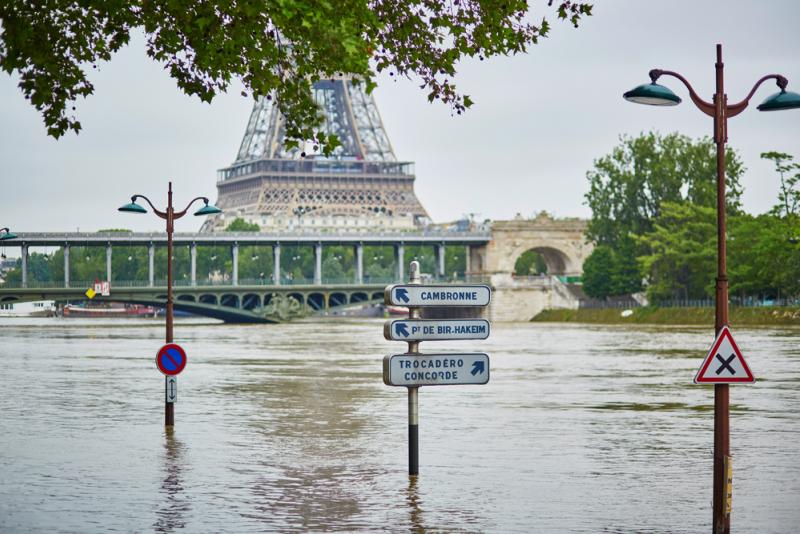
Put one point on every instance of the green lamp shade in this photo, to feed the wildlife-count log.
(783, 100)
(208, 209)
(652, 94)
(7, 235)
(133, 207)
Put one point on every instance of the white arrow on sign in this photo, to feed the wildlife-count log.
(171, 389)
(435, 329)
(444, 295)
(435, 369)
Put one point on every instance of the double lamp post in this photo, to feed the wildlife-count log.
(169, 215)
(658, 95)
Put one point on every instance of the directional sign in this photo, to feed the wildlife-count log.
(171, 359)
(171, 389)
(450, 295)
(724, 363)
(435, 369)
(435, 329)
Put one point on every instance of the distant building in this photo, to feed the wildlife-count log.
(360, 187)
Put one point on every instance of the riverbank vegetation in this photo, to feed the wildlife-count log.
(653, 202)
(739, 316)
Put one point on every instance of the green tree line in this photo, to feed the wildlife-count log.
(653, 202)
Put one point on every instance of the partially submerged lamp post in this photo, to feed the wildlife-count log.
(169, 215)
(657, 95)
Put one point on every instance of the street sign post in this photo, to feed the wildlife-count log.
(439, 295)
(435, 369)
(171, 359)
(435, 329)
(724, 363)
(413, 369)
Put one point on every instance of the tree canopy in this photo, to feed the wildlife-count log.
(240, 225)
(628, 186)
(276, 49)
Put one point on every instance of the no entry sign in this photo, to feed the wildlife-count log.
(171, 359)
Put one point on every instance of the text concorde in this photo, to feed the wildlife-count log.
(435, 369)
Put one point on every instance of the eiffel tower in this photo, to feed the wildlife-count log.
(361, 186)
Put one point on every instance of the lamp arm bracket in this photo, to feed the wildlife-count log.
(702, 105)
(179, 214)
(735, 109)
(157, 211)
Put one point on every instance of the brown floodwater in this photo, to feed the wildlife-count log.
(283, 428)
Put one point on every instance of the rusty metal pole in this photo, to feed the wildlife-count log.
(413, 392)
(169, 407)
(721, 519)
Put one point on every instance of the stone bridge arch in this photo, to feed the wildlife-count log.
(561, 242)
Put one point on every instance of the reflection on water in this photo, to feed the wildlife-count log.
(289, 428)
(174, 504)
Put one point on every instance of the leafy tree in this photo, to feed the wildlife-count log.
(596, 277)
(530, 262)
(273, 48)
(628, 187)
(789, 194)
(240, 225)
(682, 258)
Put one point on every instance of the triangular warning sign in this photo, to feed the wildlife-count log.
(724, 363)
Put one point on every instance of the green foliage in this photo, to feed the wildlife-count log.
(530, 263)
(628, 187)
(276, 49)
(682, 258)
(240, 225)
(596, 272)
(789, 192)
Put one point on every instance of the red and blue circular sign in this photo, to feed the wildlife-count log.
(171, 359)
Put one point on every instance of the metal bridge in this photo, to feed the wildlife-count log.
(235, 300)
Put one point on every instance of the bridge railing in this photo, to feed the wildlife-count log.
(218, 282)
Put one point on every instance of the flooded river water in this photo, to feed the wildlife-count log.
(285, 428)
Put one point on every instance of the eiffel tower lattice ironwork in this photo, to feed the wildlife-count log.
(360, 186)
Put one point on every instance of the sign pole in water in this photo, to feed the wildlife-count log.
(170, 360)
(413, 391)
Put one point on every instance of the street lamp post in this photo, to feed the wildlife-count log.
(658, 95)
(6, 234)
(170, 215)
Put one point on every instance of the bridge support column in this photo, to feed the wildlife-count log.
(276, 262)
(24, 254)
(467, 261)
(318, 264)
(399, 253)
(193, 258)
(151, 252)
(66, 265)
(108, 262)
(359, 263)
(440, 256)
(235, 262)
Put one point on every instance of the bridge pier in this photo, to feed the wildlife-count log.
(467, 261)
(66, 265)
(318, 263)
(399, 253)
(108, 263)
(235, 262)
(359, 263)
(193, 259)
(150, 260)
(440, 256)
(24, 254)
(276, 264)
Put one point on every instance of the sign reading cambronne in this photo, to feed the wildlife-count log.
(450, 295)
(435, 369)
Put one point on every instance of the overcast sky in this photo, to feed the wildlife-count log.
(539, 121)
